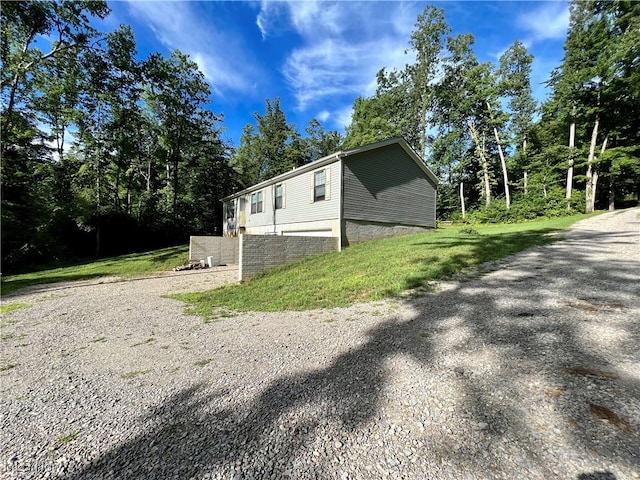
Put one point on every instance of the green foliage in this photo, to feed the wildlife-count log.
(143, 154)
(527, 207)
(271, 148)
(462, 105)
(320, 142)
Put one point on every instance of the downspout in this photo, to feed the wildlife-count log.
(236, 207)
(341, 202)
(273, 206)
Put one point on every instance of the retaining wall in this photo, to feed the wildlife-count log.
(355, 231)
(261, 252)
(224, 250)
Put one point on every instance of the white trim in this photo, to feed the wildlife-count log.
(240, 241)
(340, 202)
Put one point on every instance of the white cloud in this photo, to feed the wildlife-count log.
(343, 45)
(323, 116)
(549, 21)
(219, 54)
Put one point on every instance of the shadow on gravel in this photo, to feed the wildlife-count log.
(535, 334)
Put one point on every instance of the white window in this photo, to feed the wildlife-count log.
(319, 185)
(256, 202)
(279, 196)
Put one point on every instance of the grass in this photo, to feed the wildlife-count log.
(374, 270)
(66, 439)
(132, 265)
(10, 307)
(134, 374)
(202, 363)
(148, 341)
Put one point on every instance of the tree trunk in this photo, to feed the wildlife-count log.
(464, 212)
(482, 154)
(596, 174)
(590, 160)
(612, 193)
(524, 154)
(505, 177)
(572, 144)
(594, 183)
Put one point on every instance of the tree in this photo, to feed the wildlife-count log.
(427, 42)
(597, 84)
(320, 142)
(370, 121)
(22, 22)
(175, 97)
(514, 84)
(271, 148)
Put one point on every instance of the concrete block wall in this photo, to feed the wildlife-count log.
(224, 250)
(261, 252)
(355, 231)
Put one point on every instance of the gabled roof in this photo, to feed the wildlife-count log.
(334, 157)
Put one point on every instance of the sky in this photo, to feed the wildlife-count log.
(317, 57)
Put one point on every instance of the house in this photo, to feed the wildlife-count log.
(372, 191)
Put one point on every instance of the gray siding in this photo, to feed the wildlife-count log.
(386, 186)
(298, 201)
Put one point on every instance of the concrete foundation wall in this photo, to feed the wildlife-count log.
(355, 231)
(261, 252)
(224, 250)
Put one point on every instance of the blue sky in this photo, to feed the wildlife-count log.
(317, 57)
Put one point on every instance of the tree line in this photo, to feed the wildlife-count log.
(500, 154)
(104, 152)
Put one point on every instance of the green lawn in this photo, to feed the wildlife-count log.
(364, 272)
(132, 265)
(374, 270)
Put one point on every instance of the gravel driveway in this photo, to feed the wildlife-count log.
(528, 371)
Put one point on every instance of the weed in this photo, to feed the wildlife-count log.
(134, 374)
(99, 340)
(10, 307)
(65, 439)
(8, 366)
(425, 334)
(148, 341)
(202, 363)
(468, 231)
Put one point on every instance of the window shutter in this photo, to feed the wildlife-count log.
(327, 183)
(312, 187)
(284, 195)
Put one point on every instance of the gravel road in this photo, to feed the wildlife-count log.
(528, 370)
